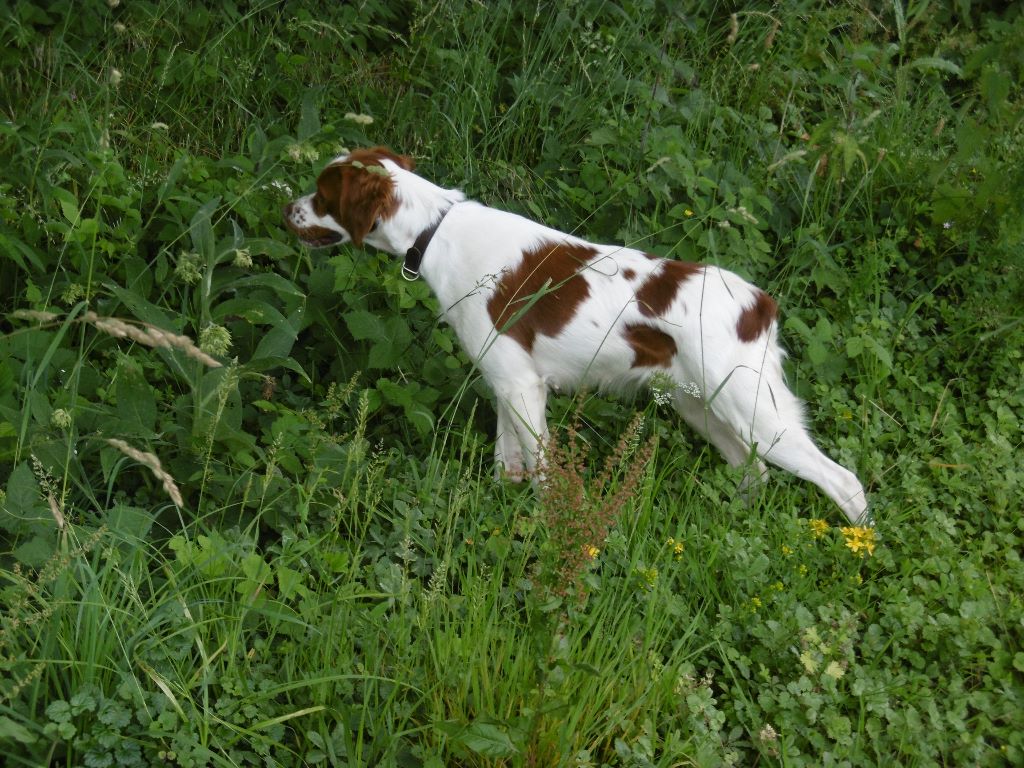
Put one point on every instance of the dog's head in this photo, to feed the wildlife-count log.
(354, 194)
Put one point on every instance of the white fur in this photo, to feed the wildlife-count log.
(743, 405)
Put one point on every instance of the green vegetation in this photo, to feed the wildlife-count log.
(248, 514)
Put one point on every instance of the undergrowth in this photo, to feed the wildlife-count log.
(248, 512)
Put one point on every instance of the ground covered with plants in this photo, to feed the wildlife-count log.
(248, 515)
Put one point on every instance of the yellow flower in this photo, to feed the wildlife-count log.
(648, 577)
(818, 527)
(591, 551)
(860, 539)
(677, 548)
(786, 550)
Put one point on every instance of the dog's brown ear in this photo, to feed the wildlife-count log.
(403, 161)
(356, 195)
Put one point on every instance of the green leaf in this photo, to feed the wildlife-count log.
(881, 353)
(172, 178)
(255, 568)
(253, 311)
(603, 135)
(279, 340)
(136, 405)
(261, 364)
(309, 116)
(280, 285)
(131, 522)
(68, 204)
(934, 63)
(142, 309)
(10, 730)
(201, 230)
(392, 345)
(289, 582)
(395, 394)
(363, 325)
(23, 495)
(488, 740)
(421, 419)
(36, 550)
(12, 247)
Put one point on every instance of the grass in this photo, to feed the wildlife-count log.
(341, 581)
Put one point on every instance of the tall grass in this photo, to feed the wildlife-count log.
(341, 581)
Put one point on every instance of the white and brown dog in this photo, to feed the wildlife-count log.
(538, 309)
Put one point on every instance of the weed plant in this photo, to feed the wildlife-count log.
(248, 515)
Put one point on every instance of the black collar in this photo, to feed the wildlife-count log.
(414, 256)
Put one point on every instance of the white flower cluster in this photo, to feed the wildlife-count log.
(663, 387)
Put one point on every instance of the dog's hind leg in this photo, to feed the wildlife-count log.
(760, 407)
(732, 447)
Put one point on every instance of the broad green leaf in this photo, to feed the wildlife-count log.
(260, 364)
(68, 205)
(255, 568)
(393, 344)
(36, 550)
(12, 247)
(254, 311)
(277, 342)
(289, 582)
(488, 739)
(603, 135)
(280, 285)
(132, 522)
(136, 404)
(935, 63)
(172, 178)
(421, 419)
(201, 229)
(143, 309)
(23, 495)
(363, 325)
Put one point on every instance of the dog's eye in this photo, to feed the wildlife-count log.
(376, 222)
(318, 204)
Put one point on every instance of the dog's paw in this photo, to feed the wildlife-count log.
(503, 474)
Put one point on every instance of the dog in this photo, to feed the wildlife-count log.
(538, 309)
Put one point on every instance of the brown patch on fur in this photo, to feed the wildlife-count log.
(651, 348)
(659, 290)
(628, 273)
(757, 318)
(402, 161)
(552, 271)
(357, 191)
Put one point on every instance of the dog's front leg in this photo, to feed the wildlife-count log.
(508, 454)
(522, 425)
